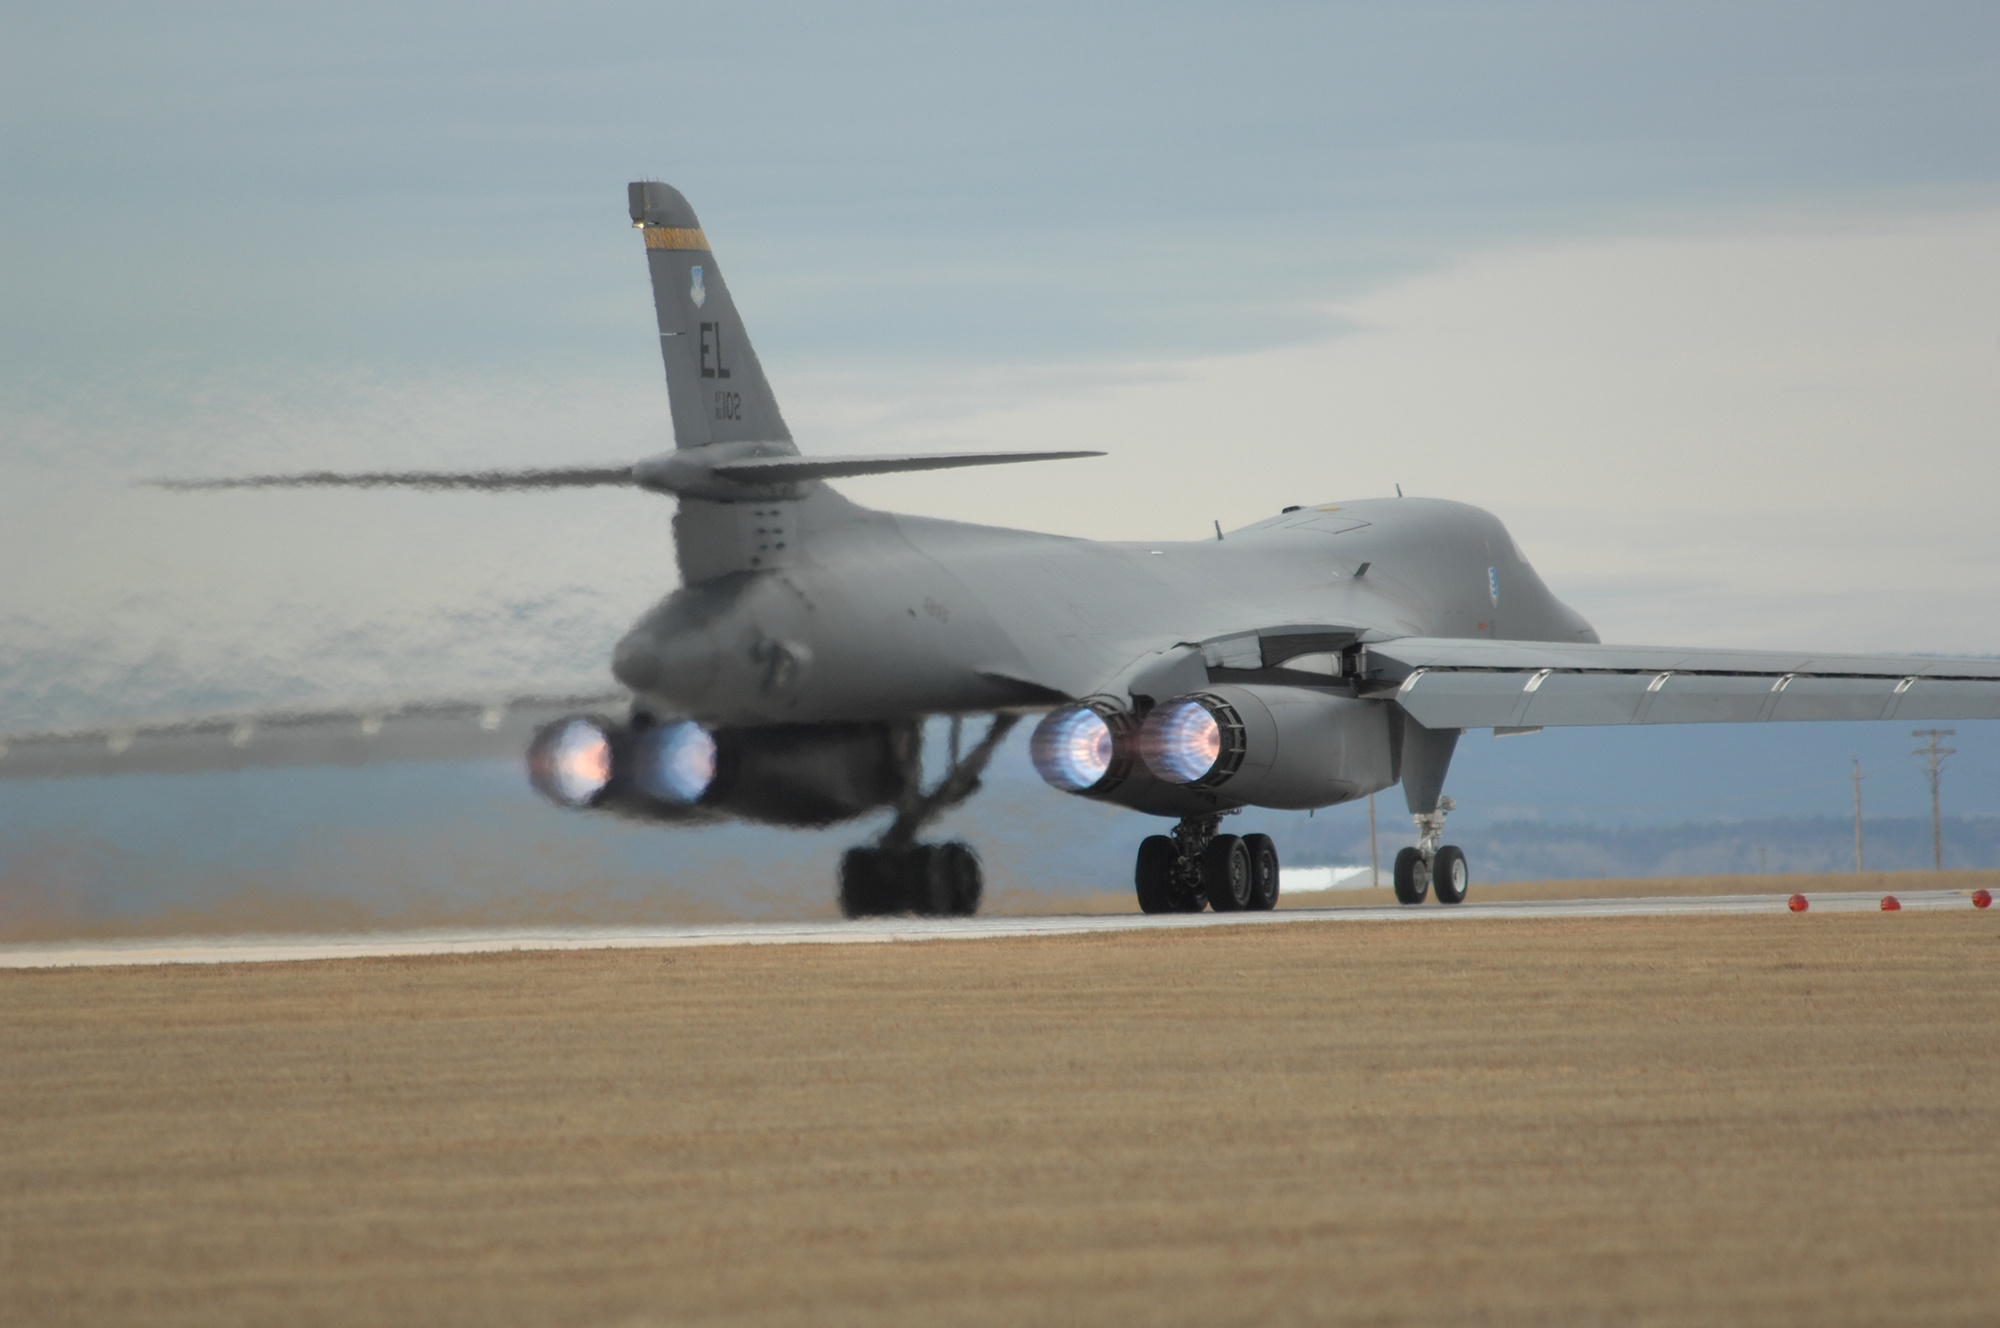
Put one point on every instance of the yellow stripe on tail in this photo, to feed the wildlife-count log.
(669, 237)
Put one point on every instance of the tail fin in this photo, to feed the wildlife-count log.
(715, 386)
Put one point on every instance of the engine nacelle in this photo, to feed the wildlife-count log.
(1288, 747)
(678, 770)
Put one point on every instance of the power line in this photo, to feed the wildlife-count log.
(1857, 816)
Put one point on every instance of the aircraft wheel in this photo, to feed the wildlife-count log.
(926, 881)
(1448, 875)
(869, 887)
(1153, 874)
(1225, 874)
(957, 880)
(1413, 878)
(1263, 871)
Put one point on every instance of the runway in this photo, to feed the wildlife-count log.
(442, 941)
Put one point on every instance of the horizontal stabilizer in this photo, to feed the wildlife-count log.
(584, 477)
(780, 470)
(431, 730)
(1444, 683)
(673, 473)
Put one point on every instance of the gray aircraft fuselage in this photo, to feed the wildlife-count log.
(879, 616)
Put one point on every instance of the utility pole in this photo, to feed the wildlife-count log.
(1374, 855)
(1934, 759)
(1857, 816)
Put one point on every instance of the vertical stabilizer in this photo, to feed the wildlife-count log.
(715, 386)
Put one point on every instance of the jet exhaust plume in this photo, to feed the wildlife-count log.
(1072, 748)
(1181, 741)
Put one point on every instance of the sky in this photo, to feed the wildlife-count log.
(1703, 300)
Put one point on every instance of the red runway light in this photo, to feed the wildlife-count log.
(1890, 904)
(1797, 903)
(1982, 898)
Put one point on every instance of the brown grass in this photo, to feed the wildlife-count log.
(1665, 1121)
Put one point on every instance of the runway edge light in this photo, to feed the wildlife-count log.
(1890, 904)
(1797, 903)
(1982, 898)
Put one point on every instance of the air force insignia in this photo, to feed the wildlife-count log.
(695, 292)
(1493, 585)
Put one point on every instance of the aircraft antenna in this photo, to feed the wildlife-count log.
(1934, 759)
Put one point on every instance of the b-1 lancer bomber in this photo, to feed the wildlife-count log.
(1311, 659)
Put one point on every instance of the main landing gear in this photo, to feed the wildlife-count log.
(1430, 866)
(1196, 867)
(898, 875)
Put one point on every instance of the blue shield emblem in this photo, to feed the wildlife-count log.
(695, 292)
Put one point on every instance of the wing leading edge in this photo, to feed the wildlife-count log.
(1445, 683)
(431, 730)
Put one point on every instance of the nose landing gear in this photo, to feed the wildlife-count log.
(1430, 866)
(1198, 867)
(898, 875)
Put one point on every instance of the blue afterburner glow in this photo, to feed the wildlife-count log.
(1180, 741)
(675, 762)
(1072, 748)
(570, 761)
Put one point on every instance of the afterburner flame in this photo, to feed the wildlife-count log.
(1072, 748)
(676, 762)
(570, 761)
(1181, 741)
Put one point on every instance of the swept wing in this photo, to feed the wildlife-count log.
(434, 729)
(1447, 683)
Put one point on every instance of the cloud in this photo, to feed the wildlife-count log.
(1776, 437)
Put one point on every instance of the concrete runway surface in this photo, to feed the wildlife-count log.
(266, 949)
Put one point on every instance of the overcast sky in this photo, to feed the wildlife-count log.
(1702, 299)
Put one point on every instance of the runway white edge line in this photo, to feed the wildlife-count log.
(442, 941)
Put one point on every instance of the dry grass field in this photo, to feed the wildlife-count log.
(1768, 1120)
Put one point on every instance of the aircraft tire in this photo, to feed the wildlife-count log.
(1449, 876)
(1225, 874)
(1413, 882)
(1263, 872)
(1153, 875)
(922, 881)
(868, 885)
(956, 877)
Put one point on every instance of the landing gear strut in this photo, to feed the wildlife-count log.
(898, 875)
(1429, 865)
(1197, 866)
